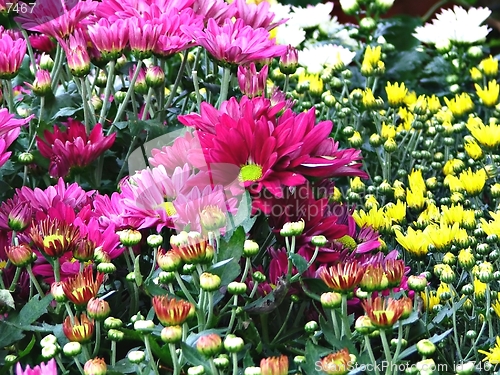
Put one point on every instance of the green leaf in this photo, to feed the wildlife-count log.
(336, 344)
(137, 271)
(313, 354)
(194, 358)
(33, 310)
(434, 339)
(65, 112)
(9, 335)
(28, 348)
(299, 262)
(120, 125)
(232, 248)
(122, 367)
(6, 298)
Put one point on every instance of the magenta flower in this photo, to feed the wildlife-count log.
(77, 54)
(252, 83)
(57, 18)
(143, 36)
(110, 38)
(235, 42)
(12, 52)
(217, 10)
(256, 15)
(9, 131)
(171, 157)
(73, 148)
(42, 43)
(42, 84)
(42, 369)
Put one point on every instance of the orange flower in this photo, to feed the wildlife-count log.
(374, 278)
(171, 311)
(274, 365)
(342, 277)
(338, 363)
(192, 247)
(81, 330)
(384, 312)
(395, 270)
(81, 288)
(54, 238)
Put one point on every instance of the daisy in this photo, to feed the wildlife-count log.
(316, 58)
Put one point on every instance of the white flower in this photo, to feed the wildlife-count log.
(290, 34)
(280, 11)
(331, 27)
(311, 16)
(455, 26)
(315, 58)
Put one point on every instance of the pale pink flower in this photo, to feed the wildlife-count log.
(171, 157)
(77, 54)
(235, 43)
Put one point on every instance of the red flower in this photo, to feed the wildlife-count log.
(384, 312)
(274, 365)
(80, 289)
(81, 330)
(73, 147)
(171, 311)
(54, 237)
(342, 277)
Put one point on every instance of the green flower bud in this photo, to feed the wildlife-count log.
(259, 277)
(209, 345)
(253, 371)
(331, 300)
(154, 240)
(250, 248)
(50, 351)
(319, 241)
(115, 335)
(466, 368)
(166, 277)
(25, 158)
(106, 268)
(237, 288)
(48, 340)
(426, 348)
(233, 344)
(196, 370)
(112, 323)
(72, 349)
(171, 334)
(144, 326)
(311, 326)
(363, 325)
(209, 282)
(129, 237)
(136, 356)
(221, 362)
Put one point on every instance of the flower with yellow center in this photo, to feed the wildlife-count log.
(476, 74)
(473, 149)
(384, 312)
(473, 182)
(460, 105)
(489, 66)
(396, 94)
(250, 172)
(396, 212)
(374, 218)
(487, 135)
(371, 61)
(414, 242)
(488, 95)
(493, 356)
(387, 131)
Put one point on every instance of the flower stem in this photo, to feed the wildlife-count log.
(369, 349)
(15, 280)
(97, 338)
(34, 280)
(335, 323)
(77, 363)
(233, 314)
(197, 90)
(346, 329)
(284, 323)
(210, 310)
(175, 360)
(387, 351)
(57, 274)
(33, 136)
(213, 369)
(247, 268)
(113, 353)
(183, 288)
(177, 82)
(9, 95)
(224, 87)
(150, 354)
(234, 357)
(107, 91)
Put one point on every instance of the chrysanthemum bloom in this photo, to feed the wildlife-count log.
(383, 312)
(372, 63)
(12, 52)
(414, 242)
(396, 94)
(209, 345)
(457, 26)
(472, 148)
(20, 216)
(489, 66)
(171, 38)
(338, 363)
(256, 15)
(110, 38)
(487, 135)
(251, 82)
(473, 182)
(50, 368)
(460, 105)
(57, 18)
(73, 148)
(171, 311)
(95, 366)
(77, 55)
(82, 287)
(493, 356)
(488, 95)
(342, 277)
(394, 270)
(316, 58)
(374, 279)
(81, 330)
(192, 247)
(218, 10)
(42, 84)
(274, 365)
(54, 237)
(19, 255)
(168, 261)
(234, 42)
(143, 35)
(42, 43)
(176, 155)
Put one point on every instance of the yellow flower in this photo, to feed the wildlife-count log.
(496, 307)
(374, 218)
(490, 227)
(493, 356)
(473, 149)
(433, 103)
(431, 298)
(419, 105)
(356, 184)
(453, 166)
(430, 214)
(396, 212)
(371, 61)
(441, 236)
(314, 81)
(461, 238)
(489, 66)
(410, 98)
(414, 242)
(416, 181)
(479, 289)
(415, 198)
(396, 94)
(444, 115)
(387, 131)
(371, 202)
(407, 117)
(473, 182)
(489, 95)
(476, 74)
(460, 104)
(453, 183)
(368, 99)
(486, 135)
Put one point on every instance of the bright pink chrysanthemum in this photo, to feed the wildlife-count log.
(57, 18)
(235, 42)
(269, 151)
(125, 9)
(217, 10)
(256, 15)
(9, 131)
(110, 38)
(73, 147)
(12, 52)
(42, 369)
(77, 53)
(143, 36)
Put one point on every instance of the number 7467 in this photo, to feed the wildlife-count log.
(20, 7)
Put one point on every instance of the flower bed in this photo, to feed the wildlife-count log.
(202, 187)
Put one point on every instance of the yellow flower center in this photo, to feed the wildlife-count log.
(251, 172)
(3, 264)
(50, 239)
(169, 208)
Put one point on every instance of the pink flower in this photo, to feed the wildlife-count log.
(42, 369)
(171, 157)
(73, 147)
(110, 38)
(12, 52)
(235, 43)
(9, 131)
(143, 36)
(252, 83)
(42, 43)
(57, 18)
(42, 84)
(256, 15)
(217, 10)
(77, 54)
